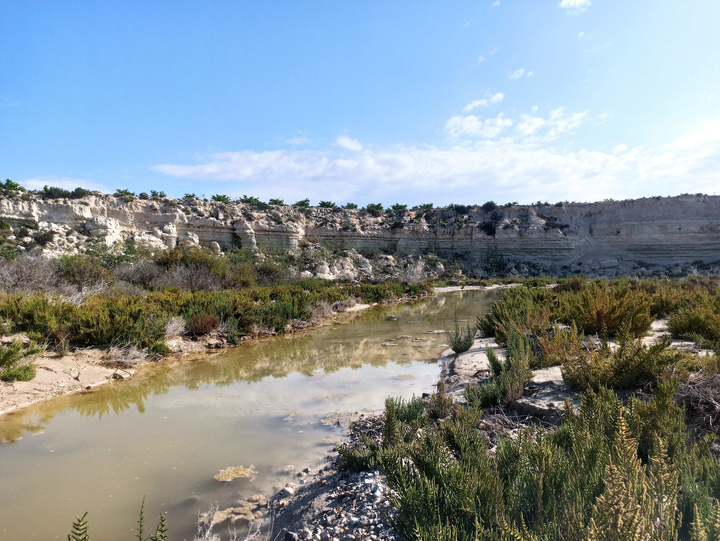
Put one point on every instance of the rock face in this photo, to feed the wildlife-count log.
(607, 238)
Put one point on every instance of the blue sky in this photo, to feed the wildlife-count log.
(413, 102)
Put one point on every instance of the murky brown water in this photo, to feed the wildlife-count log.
(167, 432)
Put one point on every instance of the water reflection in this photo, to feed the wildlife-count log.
(167, 432)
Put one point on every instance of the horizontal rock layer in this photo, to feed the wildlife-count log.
(601, 236)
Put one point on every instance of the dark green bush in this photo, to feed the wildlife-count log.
(222, 198)
(374, 209)
(13, 363)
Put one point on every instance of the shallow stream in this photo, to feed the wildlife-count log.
(275, 406)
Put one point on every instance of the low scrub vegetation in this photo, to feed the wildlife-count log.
(610, 471)
(104, 298)
(572, 325)
(14, 361)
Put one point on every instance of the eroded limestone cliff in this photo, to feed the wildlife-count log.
(644, 236)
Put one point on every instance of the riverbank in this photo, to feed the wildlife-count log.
(328, 503)
(84, 368)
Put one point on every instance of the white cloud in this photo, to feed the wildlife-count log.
(481, 59)
(475, 104)
(516, 74)
(476, 127)
(561, 123)
(297, 141)
(495, 98)
(349, 144)
(496, 3)
(66, 183)
(529, 125)
(581, 35)
(574, 6)
(524, 165)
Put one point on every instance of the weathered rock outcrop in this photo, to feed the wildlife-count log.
(644, 236)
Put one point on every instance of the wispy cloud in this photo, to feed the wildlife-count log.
(574, 6)
(481, 59)
(349, 144)
(516, 74)
(67, 183)
(495, 98)
(499, 158)
(475, 127)
(298, 141)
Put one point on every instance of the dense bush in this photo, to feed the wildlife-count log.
(608, 468)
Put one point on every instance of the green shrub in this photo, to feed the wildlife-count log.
(54, 192)
(425, 207)
(303, 203)
(123, 193)
(253, 202)
(702, 318)
(190, 196)
(605, 466)
(13, 364)
(555, 345)
(509, 378)
(327, 205)
(277, 202)
(489, 206)
(461, 339)
(631, 363)
(222, 198)
(144, 196)
(374, 209)
(11, 186)
(602, 307)
(44, 238)
(397, 207)
(157, 195)
(350, 206)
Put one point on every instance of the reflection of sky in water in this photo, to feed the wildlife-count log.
(167, 432)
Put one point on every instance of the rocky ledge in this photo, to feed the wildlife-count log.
(644, 237)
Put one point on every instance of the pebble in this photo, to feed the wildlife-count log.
(359, 510)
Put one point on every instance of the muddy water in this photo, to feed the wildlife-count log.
(271, 406)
